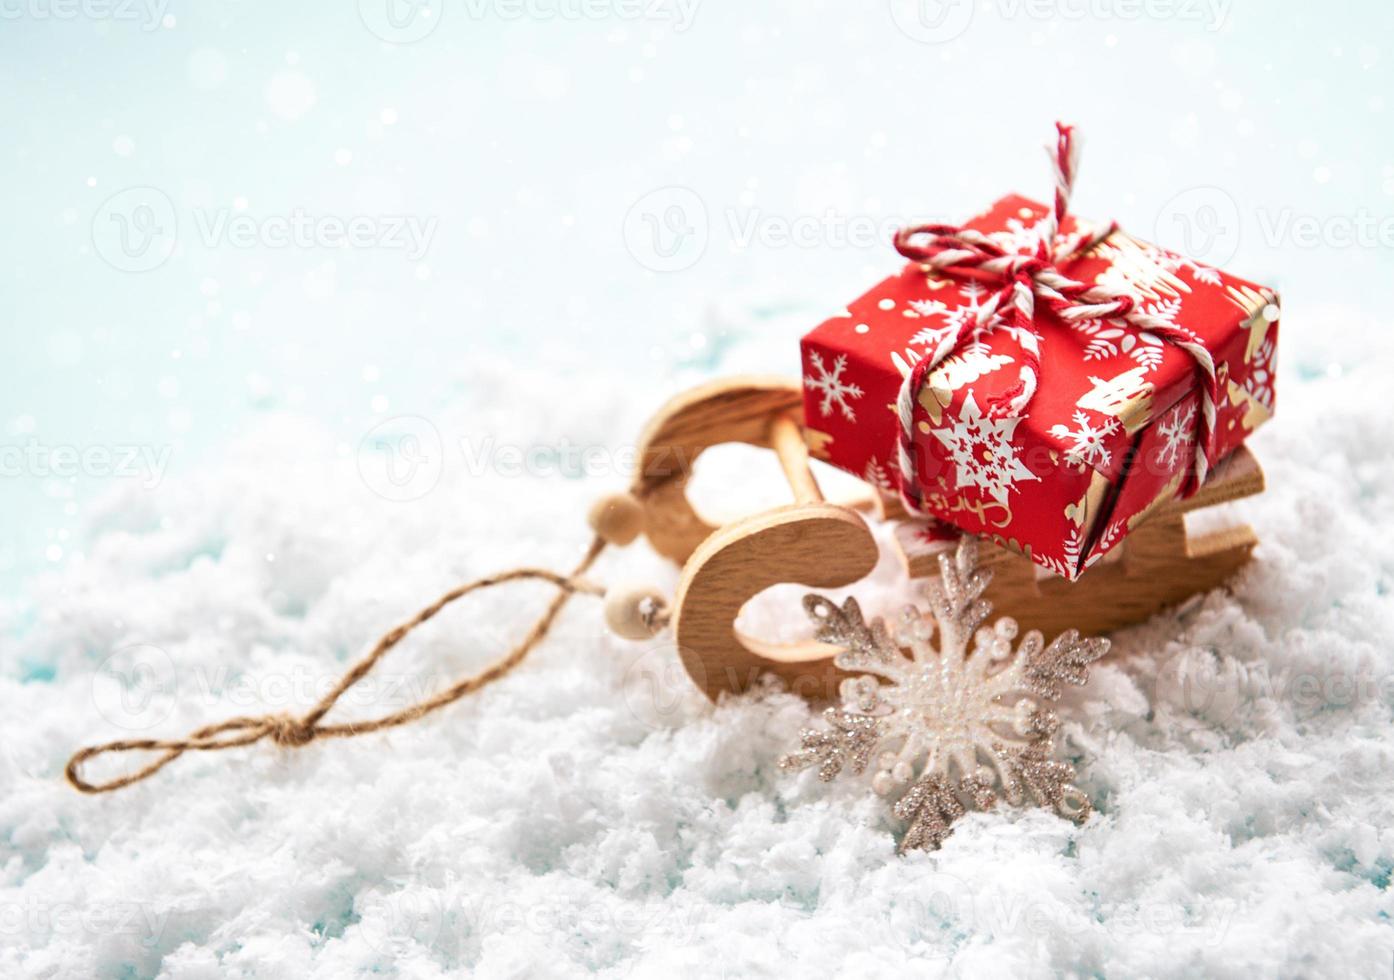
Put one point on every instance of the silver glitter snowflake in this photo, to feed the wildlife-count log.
(947, 710)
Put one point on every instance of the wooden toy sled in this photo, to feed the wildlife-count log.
(823, 545)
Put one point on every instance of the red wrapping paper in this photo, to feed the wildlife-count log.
(1110, 432)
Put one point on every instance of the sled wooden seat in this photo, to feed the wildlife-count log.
(824, 545)
(1158, 565)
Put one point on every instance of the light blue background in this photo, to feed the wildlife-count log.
(527, 141)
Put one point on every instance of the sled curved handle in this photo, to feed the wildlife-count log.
(741, 410)
(809, 542)
(814, 544)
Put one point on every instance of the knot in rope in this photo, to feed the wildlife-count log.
(289, 731)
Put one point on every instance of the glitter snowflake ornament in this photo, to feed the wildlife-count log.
(975, 722)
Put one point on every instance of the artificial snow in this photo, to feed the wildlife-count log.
(592, 812)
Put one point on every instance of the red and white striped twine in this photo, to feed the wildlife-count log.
(1022, 278)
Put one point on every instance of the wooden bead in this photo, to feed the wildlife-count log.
(618, 518)
(635, 612)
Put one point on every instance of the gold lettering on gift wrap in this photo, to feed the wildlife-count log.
(944, 503)
(1127, 397)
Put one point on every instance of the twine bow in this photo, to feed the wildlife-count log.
(1022, 278)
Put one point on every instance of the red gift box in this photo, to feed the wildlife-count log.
(1111, 429)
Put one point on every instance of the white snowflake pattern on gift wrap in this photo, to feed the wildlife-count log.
(877, 475)
(1111, 536)
(976, 723)
(837, 390)
(981, 449)
(1175, 263)
(1018, 236)
(1067, 565)
(1176, 430)
(929, 307)
(1111, 337)
(966, 311)
(1086, 446)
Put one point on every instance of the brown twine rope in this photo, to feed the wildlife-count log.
(290, 731)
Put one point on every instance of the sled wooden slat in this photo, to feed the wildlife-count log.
(786, 436)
